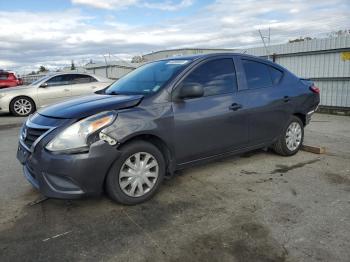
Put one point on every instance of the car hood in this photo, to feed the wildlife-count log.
(89, 105)
(14, 89)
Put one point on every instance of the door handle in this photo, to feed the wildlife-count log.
(286, 98)
(235, 107)
(65, 90)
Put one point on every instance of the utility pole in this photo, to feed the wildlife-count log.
(106, 65)
(268, 41)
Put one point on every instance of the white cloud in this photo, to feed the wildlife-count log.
(53, 38)
(119, 4)
(6, 63)
(168, 5)
(106, 4)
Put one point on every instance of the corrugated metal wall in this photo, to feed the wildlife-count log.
(330, 73)
(334, 93)
(328, 65)
(112, 71)
(118, 72)
(321, 60)
(182, 52)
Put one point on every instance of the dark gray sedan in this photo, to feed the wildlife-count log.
(162, 117)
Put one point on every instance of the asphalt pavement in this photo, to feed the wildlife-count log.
(254, 207)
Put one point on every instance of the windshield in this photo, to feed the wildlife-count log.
(147, 79)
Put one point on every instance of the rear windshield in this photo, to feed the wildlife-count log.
(149, 78)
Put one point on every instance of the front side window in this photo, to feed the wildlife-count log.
(257, 74)
(59, 80)
(149, 78)
(40, 80)
(216, 76)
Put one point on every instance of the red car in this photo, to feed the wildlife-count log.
(8, 79)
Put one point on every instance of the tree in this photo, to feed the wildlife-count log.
(42, 69)
(72, 67)
(332, 34)
(339, 33)
(300, 39)
(137, 59)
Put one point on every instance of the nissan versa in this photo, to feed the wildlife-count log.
(164, 116)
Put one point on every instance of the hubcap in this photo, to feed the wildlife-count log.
(293, 136)
(22, 106)
(138, 174)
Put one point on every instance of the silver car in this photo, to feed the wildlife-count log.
(24, 100)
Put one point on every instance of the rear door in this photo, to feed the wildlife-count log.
(209, 125)
(57, 89)
(266, 100)
(83, 84)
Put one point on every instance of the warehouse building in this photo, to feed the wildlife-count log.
(326, 61)
(183, 52)
(112, 70)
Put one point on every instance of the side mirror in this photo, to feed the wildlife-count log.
(191, 90)
(43, 85)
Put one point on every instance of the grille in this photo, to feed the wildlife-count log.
(30, 135)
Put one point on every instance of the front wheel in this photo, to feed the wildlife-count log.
(291, 138)
(22, 106)
(137, 174)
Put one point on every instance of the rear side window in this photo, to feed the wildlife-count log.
(216, 76)
(3, 76)
(82, 79)
(276, 75)
(257, 74)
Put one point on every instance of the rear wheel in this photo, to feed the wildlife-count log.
(22, 106)
(136, 176)
(291, 139)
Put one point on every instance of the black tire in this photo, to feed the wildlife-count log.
(25, 113)
(280, 146)
(112, 185)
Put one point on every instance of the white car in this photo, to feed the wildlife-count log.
(24, 100)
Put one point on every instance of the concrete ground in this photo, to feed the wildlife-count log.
(254, 207)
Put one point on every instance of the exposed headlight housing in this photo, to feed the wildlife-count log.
(75, 137)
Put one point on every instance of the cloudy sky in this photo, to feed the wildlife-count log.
(52, 32)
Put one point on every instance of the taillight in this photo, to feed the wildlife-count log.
(315, 89)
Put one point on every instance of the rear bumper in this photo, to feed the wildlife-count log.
(309, 115)
(68, 176)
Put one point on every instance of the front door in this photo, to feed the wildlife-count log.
(212, 124)
(56, 89)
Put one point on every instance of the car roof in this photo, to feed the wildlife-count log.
(200, 56)
(99, 78)
(204, 56)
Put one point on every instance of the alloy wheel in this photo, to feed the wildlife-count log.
(22, 106)
(293, 136)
